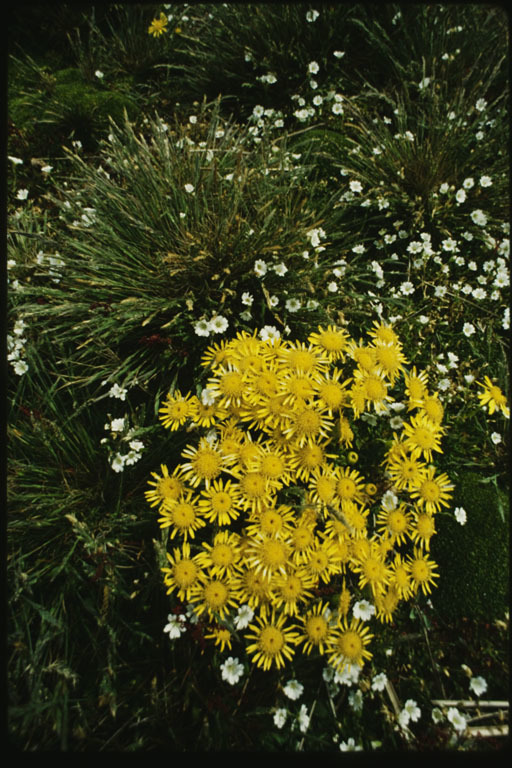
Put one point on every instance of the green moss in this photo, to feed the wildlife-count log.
(473, 559)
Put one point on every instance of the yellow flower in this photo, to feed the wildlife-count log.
(166, 488)
(184, 572)
(205, 463)
(214, 595)
(223, 556)
(423, 571)
(493, 398)
(220, 502)
(433, 492)
(182, 515)
(331, 341)
(315, 633)
(158, 26)
(177, 409)
(422, 436)
(347, 644)
(221, 636)
(273, 641)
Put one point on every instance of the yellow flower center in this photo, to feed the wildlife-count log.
(207, 463)
(183, 515)
(316, 628)
(215, 594)
(350, 645)
(374, 388)
(253, 484)
(430, 490)
(185, 572)
(271, 640)
(221, 501)
(169, 487)
(346, 487)
(222, 555)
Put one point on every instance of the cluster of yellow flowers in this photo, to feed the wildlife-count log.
(267, 511)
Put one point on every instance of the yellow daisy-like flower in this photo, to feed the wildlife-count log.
(406, 471)
(331, 341)
(322, 486)
(158, 26)
(493, 398)
(273, 643)
(215, 596)
(271, 521)
(305, 359)
(372, 569)
(177, 409)
(268, 555)
(302, 540)
(254, 589)
(315, 630)
(332, 393)
(205, 463)
(255, 491)
(184, 572)
(395, 523)
(228, 386)
(346, 435)
(390, 360)
(364, 356)
(415, 386)
(383, 333)
(221, 636)
(220, 502)
(182, 516)
(422, 436)
(386, 604)
(347, 644)
(308, 458)
(219, 354)
(167, 487)
(423, 528)
(349, 486)
(324, 561)
(291, 590)
(400, 580)
(373, 387)
(205, 415)
(223, 556)
(308, 424)
(423, 571)
(432, 407)
(433, 492)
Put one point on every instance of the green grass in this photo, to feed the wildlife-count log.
(112, 265)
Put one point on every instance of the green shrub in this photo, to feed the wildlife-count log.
(473, 559)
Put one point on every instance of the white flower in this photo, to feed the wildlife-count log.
(481, 105)
(460, 515)
(117, 391)
(293, 689)
(312, 15)
(363, 610)
(136, 445)
(468, 183)
(202, 328)
(99, 74)
(485, 181)
(449, 244)
(175, 626)
(412, 710)
(359, 248)
(46, 168)
(356, 186)
(273, 301)
(280, 269)
(232, 670)
(293, 305)
(244, 617)
(496, 438)
(456, 719)
(389, 501)
(332, 286)
(468, 329)
(350, 746)
(379, 682)
(22, 194)
(407, 288)
(479, 293)
(338, 54)
(424, 83)
(443, 189)
(192, 119)
(218, 324)
(260, 267)
(269, 333)
(280, 716)
(478, 685)
(189, 188)
(337, 108)
(117, 463)
(349, 675)
(460, 196)
(207, 396)
(313, 67)
(15, 160)
(479, 217)
(443, 384)
(117, 425)
(437, 715)
(20, 367)
(303, 719)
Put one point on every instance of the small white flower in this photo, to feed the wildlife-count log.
(443, 189)
(46, 168)
(280, 269)
(207, 397)
(303, 719)
(407, 288)
(118, 392)
(189, 188)
(175, 626)
(192, 119)
(389, 501)
(247, 299)
(412, 709)
(468, 329)
(136, 445)
(313, 67)
(312, 15)
(202, 328)
(478, 685)
(269, 333)
(260, 267)
(15, 160)
(231, 670)
(363, 610)
(99, 74)
(20, 367)
(117, 463)
(424, 83)
(460, 515)
(280, 716)
(293, 689)
(293, 305)
(379, 682)
(478, 217)
(496, 438)
(117, 425)
(485, 181)
(22, 194)
(460, 196)
(244, 617)
(481, 105)
(359, 249)
(350, 746)
(456, 719)
(437, 715)
(338, 54)
(332, 287)
(468, 183)
(218, 324)
(337, 108)
(356, 186)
